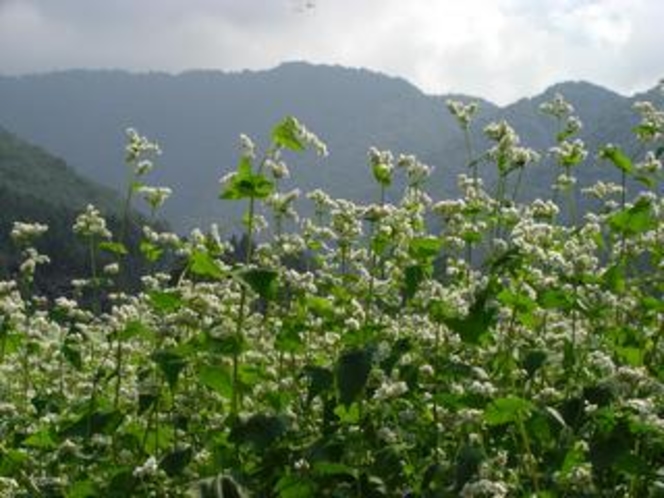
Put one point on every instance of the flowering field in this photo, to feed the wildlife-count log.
(478, 346)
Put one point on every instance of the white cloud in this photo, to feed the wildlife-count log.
(500, 49)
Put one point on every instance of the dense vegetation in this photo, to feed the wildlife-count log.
(38, 187)
(505, 354)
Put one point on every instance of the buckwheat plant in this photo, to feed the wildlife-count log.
(361, 349)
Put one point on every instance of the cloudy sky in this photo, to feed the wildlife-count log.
(498, 49)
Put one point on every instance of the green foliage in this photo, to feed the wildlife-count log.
(393, 359)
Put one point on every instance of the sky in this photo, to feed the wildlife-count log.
(496, 49)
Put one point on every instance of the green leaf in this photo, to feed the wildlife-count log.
(70, 350)
(263, 281)
(133, 328)
(352, 373)
(165, 301)
(633, 356)
(289, 339)
(259, 431)
(202, 264)
(414, 275)
(634, 220)
(324, 468)
(150, 251)
(82, 489)
(321, 380)
(228, 344)
(575, 456)
(348, 415)
(618, 158)
(506, 410)
(295, 486)
(556, 299)
(96, 422)
(171, 363)
(246, 184)
(614, 278)
(116, 248)
(176, 461)
(217, 378)
(286, 134)
(320, 306)
(425, 248)
(468, 462)
(533, 361)
(474, 327)
(42, 439)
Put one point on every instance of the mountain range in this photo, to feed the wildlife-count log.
(197, 116)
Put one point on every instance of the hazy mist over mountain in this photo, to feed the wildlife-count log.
(197, 116)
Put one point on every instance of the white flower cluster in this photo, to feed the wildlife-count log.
(25, 233)
(155, 196)
(309, 138)
(416, 171)
(462, 112)
(507, 152)
(569, 154)
(139, 151)
(557, 107)
(652, 121)
(91, 224)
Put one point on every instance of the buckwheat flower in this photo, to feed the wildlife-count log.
(569, 154)
(501, 131)
(564, 182)
(601, 190)
(279, 169)
(416, 171)
(91, 224)
(544, 209)
(307, 137)
(651, 127)
(137, 147)
(484, 488)
(143, 167)
(321, 199)
(448, 208)
(462, 112)
(148, 469)
(9, 487)
(247, 147)
(651, 164)
(225, 180)
(32, 259)
(382, 165)
(282, 203)
(155, 196)
(557, 107)
(112, 269)
(426, 370)
(25, 233)
(390, 389)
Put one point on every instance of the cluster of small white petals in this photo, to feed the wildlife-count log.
(155, 196)
(462, 112)
(569, 153)
(557, 107)
(247, 146)
(25, 233)
(652, 119)
(91, 224)
(416, 170)
(138, 150)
